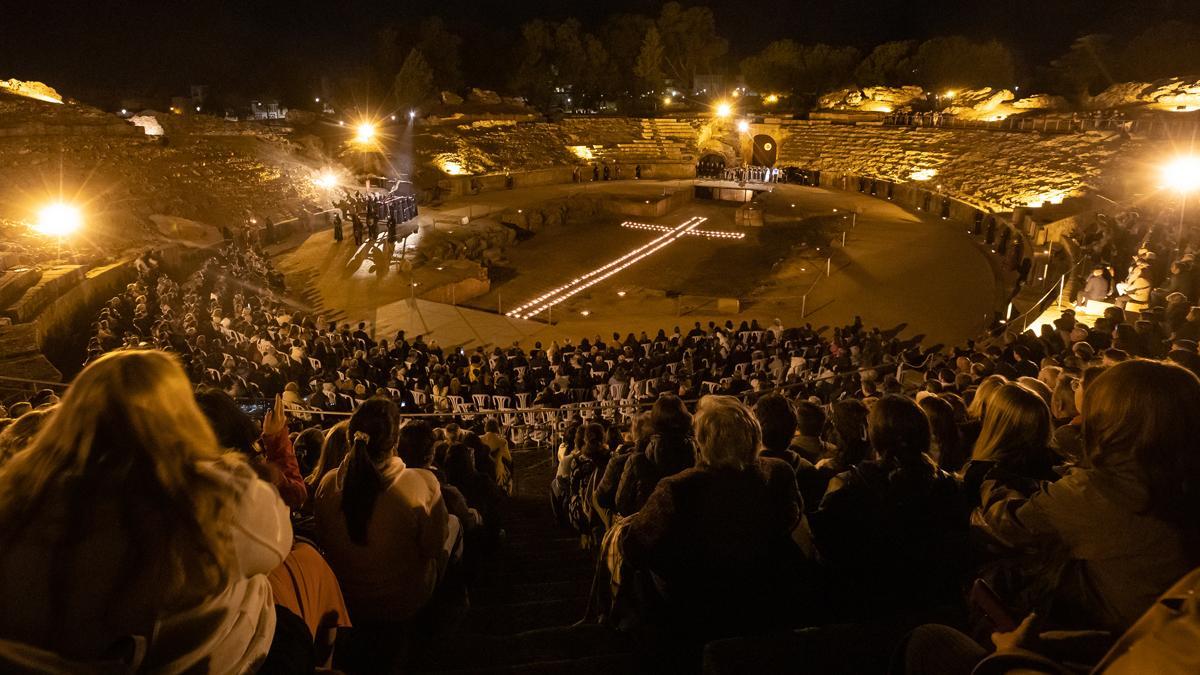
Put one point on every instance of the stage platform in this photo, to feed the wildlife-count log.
(728, 190)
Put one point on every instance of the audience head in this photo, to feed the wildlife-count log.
(899, 432)
(416, 444)
(983, 392)
(947, 446)
(1139, 419)
(152, 442)
(669, 416)
(848, 419)
(810, 418)
(727, 434)
(777, 420)
(234, 428)
(1016, 428)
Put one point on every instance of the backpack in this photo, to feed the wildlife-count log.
(581, 485)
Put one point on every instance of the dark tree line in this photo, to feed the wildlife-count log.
(629, 60)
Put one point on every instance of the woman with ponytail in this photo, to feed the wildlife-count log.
(384, 525)
(895, 529)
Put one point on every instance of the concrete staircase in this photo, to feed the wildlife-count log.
(527, 596)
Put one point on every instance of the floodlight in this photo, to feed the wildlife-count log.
(724, 109)
(58, 220)
(1182, 174)
(364, 132)
(743, 126)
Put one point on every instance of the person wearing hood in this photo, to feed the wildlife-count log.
(669, 450)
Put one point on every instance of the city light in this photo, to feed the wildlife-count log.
(412, 114)
(724, 109)
(771, 99)
(364, 132)
(58, 220)
(950, 93)
(666, 100)
(743, 126)
(1182, 174)
(317, 99)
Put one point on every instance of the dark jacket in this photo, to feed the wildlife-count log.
(896, 537)
(1120, 558)
(718, 544)
(664, 456)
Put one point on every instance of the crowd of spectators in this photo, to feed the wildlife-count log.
(296, 493)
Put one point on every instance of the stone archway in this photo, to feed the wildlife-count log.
(766, 151)
(711, 165)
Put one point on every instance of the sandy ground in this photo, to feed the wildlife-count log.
(896, 268)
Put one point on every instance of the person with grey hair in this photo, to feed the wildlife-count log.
(716, 538)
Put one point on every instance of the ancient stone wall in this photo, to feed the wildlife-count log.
(995, 170)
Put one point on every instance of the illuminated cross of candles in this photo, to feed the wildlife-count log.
(584, 281)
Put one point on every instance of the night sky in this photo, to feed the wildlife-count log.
(155, 46)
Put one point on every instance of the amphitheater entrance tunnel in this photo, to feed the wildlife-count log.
(711, 165)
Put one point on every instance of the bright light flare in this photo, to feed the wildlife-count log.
(922, 174)
(58, 220)
(771, 99)
(326, 180)
(364, 132)
(724, 109)
(1182, 174)
(743, 126)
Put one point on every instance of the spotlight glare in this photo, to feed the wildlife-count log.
(1182, 174)
(364, 132)
(58, 220)
(743, 126)
(724, 109)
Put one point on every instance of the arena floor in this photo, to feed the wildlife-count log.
(896, 267)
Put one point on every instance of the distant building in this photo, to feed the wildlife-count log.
(267, 110)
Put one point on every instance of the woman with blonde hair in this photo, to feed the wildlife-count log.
(126, 536)
(1014, 445)
(1125, 517)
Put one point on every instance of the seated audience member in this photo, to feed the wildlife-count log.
(1161, 642)
(481, 493)
(1068, 438)
(124, 527)
(894, 529)
(415, 448)
(1014, 445)
(778, 422)
(849, 441)
(583, 468)
(716, 538)
(1125, 517)
(307, 447)
(333, 451)
(669, 450)
(269, 449)
(384, 526)
(810, 422)
(307, 587)
(605, 495)
(499, 454)
(946, 447)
